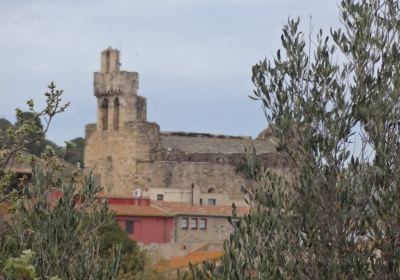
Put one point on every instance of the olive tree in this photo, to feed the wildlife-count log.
(60, 220)
(29, 130)
(332, 102)
(48, 236)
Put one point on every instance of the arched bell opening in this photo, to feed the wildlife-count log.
(116, 114)
(104, 114)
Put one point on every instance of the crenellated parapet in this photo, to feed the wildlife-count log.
(114, 92)
(116, 83)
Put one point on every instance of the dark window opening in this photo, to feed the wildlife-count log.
(201, 201)
(212, 201)
(212, 190)
(104, 114)
(160, 197)
(129, 227)
(109, 165)
(116, 114)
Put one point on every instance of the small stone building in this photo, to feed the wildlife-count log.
(200, 223)
(127, 152)
(142, 221)
(177, 223)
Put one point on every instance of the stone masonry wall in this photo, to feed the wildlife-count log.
(217, 230)
(112, 154)
(174, 174)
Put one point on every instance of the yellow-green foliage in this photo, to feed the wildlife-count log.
(20, 268)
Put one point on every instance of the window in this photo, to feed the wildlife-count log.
(211, 201)
(116, 114)
(160, 197)
(212, 190)
(201, 201)
(129, 227)
(109, 165)
(104, 114)
(193, 223)
(108, 171)
(203, 223)
(184, 223)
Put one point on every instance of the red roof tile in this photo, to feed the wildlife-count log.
(121, 207)
(184, 208)
(142, 211)
(183, 262)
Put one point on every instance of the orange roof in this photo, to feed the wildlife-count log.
(142, 211)
(21, 170)
(184, 208)
(184, 261)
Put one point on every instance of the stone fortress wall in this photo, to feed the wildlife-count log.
(127, 152)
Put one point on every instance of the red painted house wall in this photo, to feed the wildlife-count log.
(149, 230)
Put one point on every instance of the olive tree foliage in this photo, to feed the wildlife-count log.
(28, 131)
(58, 226)
(60, 220)
(333, 104)
(20, 267)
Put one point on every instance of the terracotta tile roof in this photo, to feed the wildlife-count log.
(21, 170)
(142, 211)
(123, 207)
(184, 261)
(184, 208)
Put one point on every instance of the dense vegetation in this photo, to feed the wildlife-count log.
(73, 154)
(333, 104)
(58, 228)
(62, 234)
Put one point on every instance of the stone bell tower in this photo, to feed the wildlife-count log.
(122, 135)
(116, 92)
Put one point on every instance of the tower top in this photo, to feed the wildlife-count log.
(110, 60)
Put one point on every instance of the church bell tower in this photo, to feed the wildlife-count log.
(116, 92)
(121, 136)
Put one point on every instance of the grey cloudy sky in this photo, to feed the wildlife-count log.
(194, 57)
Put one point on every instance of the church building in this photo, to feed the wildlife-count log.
(133, 157)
